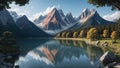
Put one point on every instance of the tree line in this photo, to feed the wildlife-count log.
(94, 33)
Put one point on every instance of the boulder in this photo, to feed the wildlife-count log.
(117, 65)
(111, 65)
(107, 58)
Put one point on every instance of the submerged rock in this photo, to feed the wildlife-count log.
(107, 58)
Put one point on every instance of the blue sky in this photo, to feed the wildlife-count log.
(74, 6)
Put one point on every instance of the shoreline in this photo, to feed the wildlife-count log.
(79, 39)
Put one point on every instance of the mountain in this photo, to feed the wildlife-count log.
(22, 27)
(29, 29)
(70, 18)
(14, 15)
(7, 23)
(90, 17)
(56, 20)
(39, 19)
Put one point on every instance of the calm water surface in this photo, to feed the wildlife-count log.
(46, 53)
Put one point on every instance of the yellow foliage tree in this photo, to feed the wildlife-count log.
(82, 34)
(106, 33)
(92, 34)
(115, 35)
(58, 35)
(75, 34)
(67, 34)
(63, 34)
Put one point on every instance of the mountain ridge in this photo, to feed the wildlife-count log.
(21, 28)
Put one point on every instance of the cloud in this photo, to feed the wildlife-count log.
(37, 56)
(112, 17)
(48, 10)
(19, 10)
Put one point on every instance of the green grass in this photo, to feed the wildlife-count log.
(114, 47)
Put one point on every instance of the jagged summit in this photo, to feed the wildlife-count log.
(90, 17)
(14, 15)
(87, 12)
(69, 14)
(71, 18)
(54, 20)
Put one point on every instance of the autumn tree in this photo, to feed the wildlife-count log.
(63, 34)
(82, 34)
(105, 33)
(114, 35)
(58, 35)
(115, 4)
(67, 34)
(5, 3)
(75, 34)
(92, 34)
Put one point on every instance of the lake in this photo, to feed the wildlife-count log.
(47, 53)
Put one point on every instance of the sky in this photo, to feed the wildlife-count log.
(42, 7)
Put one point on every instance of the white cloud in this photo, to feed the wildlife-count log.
(112, 17)
(19, 10)
(36, 56)
(48, 10)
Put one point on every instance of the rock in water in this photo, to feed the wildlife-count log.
(107, 58)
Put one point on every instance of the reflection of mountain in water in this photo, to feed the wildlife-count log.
(28, 44)
(65, 54)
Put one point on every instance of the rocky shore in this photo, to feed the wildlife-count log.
(109, 60)
(8, 56)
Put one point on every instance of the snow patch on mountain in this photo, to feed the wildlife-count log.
(35, 18)
(14, 15)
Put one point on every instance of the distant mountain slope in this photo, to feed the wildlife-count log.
(7, 23)
(53, 21)
(90, 17)
(56, 20)
(21, 28)
(70, 18)
(14, 15)
(30, 29)
(39, 19)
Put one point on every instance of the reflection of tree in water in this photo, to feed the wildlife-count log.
(67, 53)
(59, 53)
(91, 51)
(94, 53)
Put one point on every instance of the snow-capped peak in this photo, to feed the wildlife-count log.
(14, 15)
(87, 12)
(39, 19)
(84, 10)
(69, 14)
